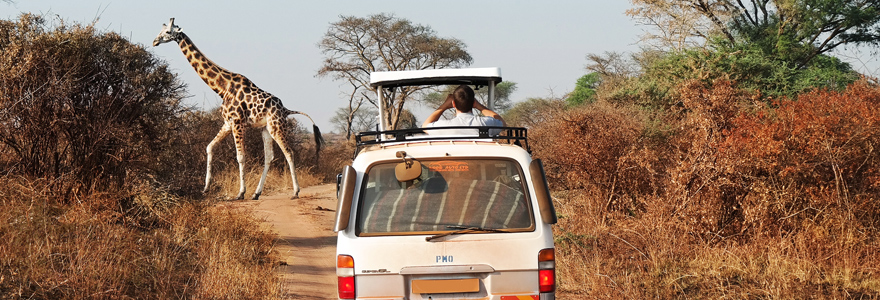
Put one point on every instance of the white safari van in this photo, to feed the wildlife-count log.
(429, 216)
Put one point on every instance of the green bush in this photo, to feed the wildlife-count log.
(747, 66)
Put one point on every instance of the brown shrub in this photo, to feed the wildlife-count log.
(334, 157)
(582, 147)
(78, 103)
(745, 200)
(696, 189)
(811, 160)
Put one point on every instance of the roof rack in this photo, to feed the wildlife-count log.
(509, 135)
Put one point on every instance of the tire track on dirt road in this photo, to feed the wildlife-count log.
(306, 241)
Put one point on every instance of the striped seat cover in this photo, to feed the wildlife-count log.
(434, 204)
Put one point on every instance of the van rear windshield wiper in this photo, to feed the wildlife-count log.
(463, 230)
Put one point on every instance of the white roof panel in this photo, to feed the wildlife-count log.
(471, 76)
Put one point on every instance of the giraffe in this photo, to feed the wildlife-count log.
(244, 105)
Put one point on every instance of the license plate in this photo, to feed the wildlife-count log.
(442, 286)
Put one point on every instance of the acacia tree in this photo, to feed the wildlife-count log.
(354, 117)
(676, 24)
(796, 30)
(355, 47)
(532, 112)
(350, 121)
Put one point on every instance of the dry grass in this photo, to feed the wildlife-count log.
(226, 183)
(606, 255)
(238, 262)
(159, 247)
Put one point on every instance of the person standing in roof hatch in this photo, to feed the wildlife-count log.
(462, 99)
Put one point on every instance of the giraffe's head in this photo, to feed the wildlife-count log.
(170, 32)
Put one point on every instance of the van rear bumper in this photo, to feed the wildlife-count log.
(492, 284)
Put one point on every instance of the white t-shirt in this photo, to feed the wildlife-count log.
(465, 119)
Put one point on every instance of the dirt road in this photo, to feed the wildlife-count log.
(307, 243)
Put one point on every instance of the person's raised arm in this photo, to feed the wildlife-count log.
(488, 112)
(434, 116)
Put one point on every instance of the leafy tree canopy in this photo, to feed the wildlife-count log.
(792, 30)
(776, 47)
(584, 90)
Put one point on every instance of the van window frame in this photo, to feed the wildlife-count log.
(358, 230)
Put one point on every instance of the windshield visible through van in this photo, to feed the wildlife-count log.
(449, 194)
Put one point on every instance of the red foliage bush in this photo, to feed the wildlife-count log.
(718, 195)
(821, 139)
(818, 150)
(599, 147)
(695, 188)
(582, 147)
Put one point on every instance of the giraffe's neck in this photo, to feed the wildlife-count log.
(215, 76)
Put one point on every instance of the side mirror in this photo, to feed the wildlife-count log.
(347, 184)
(338, 185)
(545, 202)
(407, 170)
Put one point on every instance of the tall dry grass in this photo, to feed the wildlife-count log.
(158, 246)
(721, 197)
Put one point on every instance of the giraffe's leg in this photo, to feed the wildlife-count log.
(238, 136)
(277, 130)
(224, 131)
(268, 156)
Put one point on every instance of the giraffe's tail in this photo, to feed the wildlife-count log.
(319, 140)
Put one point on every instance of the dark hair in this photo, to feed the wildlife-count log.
(463, 96)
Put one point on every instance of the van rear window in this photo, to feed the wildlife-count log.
(456, 193)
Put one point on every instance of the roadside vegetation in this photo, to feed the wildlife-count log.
(100, 176)
(740, 165)
(725, 196)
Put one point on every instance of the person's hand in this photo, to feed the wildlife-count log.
(446, 104)
(434, 116)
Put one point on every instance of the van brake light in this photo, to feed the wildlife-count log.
(547, 270)
(345, 276)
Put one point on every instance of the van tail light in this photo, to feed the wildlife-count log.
(547, 270)
(345, 276)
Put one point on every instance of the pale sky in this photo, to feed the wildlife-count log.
(540, 45)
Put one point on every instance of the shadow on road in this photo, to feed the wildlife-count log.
(308, 242)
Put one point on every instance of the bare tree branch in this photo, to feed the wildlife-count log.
(356, 47)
